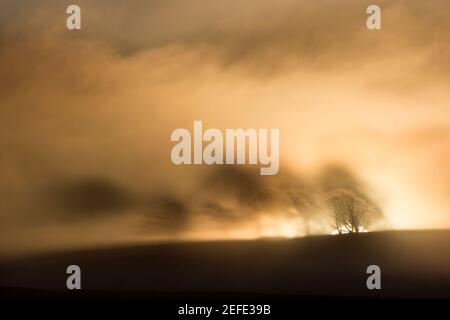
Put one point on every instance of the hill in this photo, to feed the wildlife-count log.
(414, 264)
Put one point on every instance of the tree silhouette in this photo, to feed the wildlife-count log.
(350, 211)
(305, 203)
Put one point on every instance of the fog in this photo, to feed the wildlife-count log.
(86, 116)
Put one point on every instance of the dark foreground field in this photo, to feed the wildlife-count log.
(414, 264)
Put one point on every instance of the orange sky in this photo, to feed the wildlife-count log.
(102, 102)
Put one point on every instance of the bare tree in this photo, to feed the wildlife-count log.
(305, 203)
(351, 212)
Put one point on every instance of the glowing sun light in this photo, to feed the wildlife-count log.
(336, 231)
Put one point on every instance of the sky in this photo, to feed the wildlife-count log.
(86, 115)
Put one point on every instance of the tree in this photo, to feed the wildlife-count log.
(351, 212)
(305, 203)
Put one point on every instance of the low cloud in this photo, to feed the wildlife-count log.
(86, 117)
